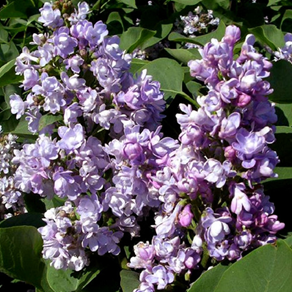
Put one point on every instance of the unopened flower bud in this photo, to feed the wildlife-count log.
(229, 153)
(186, 216)
(243, 100)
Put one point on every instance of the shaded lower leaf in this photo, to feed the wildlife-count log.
(68, 280)
(27, 219)
(20, 255)
(108, 280)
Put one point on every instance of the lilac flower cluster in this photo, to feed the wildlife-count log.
(211, 191)
(100, 149)
(98, 136)
(11, 199)
(196, 23)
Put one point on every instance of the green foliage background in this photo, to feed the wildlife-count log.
(268, 268)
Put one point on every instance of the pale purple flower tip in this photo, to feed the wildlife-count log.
(186, 216)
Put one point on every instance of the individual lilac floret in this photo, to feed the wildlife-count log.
(66, 184)
(49, 16)
(240, 200)
(64, 44)
(158, 275)
(144, 256)
(18, 106)
(96, 34)
(71, 138)
(80, 13)
(216, 230)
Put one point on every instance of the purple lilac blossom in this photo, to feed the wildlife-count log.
(111, 161)
(49, 16)
(223, 152)
(74, 164)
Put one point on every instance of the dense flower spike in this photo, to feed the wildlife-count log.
(102, 146)
(210, 190)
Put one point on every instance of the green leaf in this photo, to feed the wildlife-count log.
(283, 130)
(136, 64)
(5, 68)
(9, 125)
(5, 115)
(273, 2)
(280, 80)
(288, 240)
(283, 173)
(269, 34)
(48, 119)
(27, 219)
(187, 2)
(130, 3)
(211, 4)
(17, 8)
(68, 280)
(162, 30)
(21, 130)
(9, 90)
(129, 280)
(267, 268)
(8, 51)
(184, 55)
(108, 280)
(53, 203)
(134, 37)
(20, 255)
(3, 34)
(284, 113)
(209, 279)
(7, 74)
(286, 17)
(113, 19)
(194, 88)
